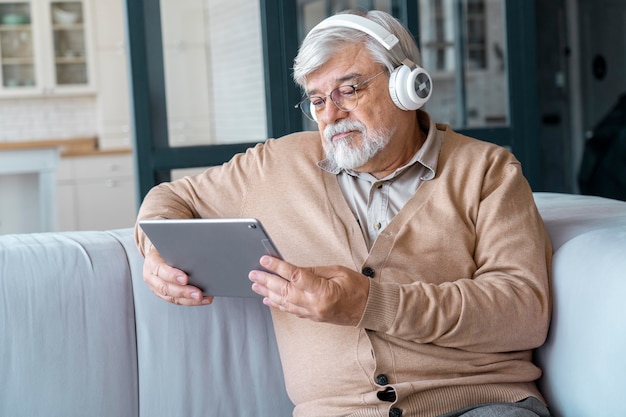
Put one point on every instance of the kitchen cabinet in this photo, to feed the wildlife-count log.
(96, 192)
(45, 48)
(187, 74)
(113, 115)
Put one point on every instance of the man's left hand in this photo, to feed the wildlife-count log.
(331, 294)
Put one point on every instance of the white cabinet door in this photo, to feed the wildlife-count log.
(105, 192)
(20, 54)
(113, 110)
(183, 22)
(109, 23)
(113, 99)
(47, 48)
(66, 196)
(96, 192)
(187, 95)
(186, 72)
(67, 218)
(105, 204)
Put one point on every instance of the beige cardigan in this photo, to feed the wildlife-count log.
(460, 292)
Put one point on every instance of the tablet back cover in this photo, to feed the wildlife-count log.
(216, 254)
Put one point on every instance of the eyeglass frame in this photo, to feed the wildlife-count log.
(354, 87)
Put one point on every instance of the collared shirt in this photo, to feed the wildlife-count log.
(374, 202)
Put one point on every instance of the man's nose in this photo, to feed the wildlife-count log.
(332, 113)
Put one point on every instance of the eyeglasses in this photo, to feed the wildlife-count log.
(345, 97)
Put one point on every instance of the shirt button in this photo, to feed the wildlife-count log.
(395, 412)
(382, 379)
(368, 272)
(377, 226)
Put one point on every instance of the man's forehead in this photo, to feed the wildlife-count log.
(319, 83)
(345, 66)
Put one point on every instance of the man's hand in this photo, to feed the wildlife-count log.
(170, 283)
(331, 294)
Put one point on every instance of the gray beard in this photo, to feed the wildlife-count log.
(343, 154)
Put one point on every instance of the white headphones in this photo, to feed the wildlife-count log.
(410, 86)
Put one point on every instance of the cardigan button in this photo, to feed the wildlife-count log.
(395, 412)
(382, 379)
(368, 272)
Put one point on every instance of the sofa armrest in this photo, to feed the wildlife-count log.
(583, 361)
(67, 329)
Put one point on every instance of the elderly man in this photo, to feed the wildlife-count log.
(416, 272)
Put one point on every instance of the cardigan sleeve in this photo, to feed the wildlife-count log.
(217, 192)
(504, 305)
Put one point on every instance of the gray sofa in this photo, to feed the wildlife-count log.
(80, 334)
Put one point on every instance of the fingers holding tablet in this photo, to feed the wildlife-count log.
(170, 283)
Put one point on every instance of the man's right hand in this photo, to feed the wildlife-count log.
(170, 283)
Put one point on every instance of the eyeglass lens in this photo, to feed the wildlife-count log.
(344, 97)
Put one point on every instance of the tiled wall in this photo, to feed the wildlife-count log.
(47, 118)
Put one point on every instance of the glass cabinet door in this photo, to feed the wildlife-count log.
(69, 46)
(17, 51)
(45, 48)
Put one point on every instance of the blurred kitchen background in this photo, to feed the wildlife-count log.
(94, 112)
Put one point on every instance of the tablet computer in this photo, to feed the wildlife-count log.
(216, 254)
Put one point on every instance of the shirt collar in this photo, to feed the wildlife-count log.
(427, 155)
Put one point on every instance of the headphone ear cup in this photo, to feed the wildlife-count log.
(410, 89)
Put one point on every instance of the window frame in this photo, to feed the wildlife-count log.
(155, 158)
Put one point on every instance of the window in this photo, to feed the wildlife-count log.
(476, 39)
(214, 73)
(466, 58)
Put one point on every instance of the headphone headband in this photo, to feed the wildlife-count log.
(360, 23)
(387, 39)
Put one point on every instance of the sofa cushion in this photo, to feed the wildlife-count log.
(67, 326)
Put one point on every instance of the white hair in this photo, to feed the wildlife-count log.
(321, 45)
